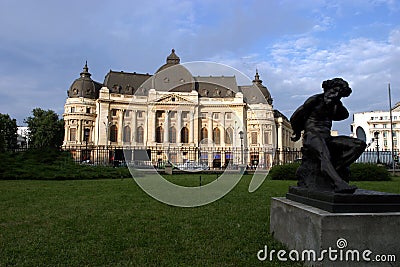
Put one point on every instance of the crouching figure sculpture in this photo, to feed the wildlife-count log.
(326, 159)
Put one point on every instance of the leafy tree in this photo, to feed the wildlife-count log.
(46, 129)
(8, 132)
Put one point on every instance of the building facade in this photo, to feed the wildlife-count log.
(174, 116)
(374, 127)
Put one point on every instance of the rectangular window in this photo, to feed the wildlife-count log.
(87, 110)
(266, 137)
(127, 113)
(72, 109)
(184, 114)
(72, 134)
(113, 112)
(385, 126)
(215, 116)
(140, 114)
(203, 115)
(254, 138)
(372, 118)
(228, 115)
(374, 125)
(172, 114)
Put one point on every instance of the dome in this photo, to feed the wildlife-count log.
(263, 89)
(172, 60)
(84, 86)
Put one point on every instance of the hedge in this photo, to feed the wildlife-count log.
(358, 172)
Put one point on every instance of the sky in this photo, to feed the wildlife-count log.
(295, 45)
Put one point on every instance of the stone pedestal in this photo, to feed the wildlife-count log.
(303, 228)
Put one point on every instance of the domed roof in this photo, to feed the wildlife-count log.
(172, 60)
(264, 90)
(84, 86)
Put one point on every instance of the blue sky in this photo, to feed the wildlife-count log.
(294, 44)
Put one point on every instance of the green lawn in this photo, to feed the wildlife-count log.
(113, 222)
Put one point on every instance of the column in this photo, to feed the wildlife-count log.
(120, 126)
(133, 131)
(66, 132)
(79, 132)
(191, 134)
(179, 126)
(223, 129)
(166, 127)
(280, 146)
(210, 127)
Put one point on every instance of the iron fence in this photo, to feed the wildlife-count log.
(182, 157)
(204, 157)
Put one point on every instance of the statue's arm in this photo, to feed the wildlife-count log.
(340, 112)
(299, 117)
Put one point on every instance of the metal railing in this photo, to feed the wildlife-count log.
(205, 157)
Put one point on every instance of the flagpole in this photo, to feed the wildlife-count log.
(391, 125)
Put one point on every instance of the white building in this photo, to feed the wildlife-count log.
(366, 125)
(174, 116)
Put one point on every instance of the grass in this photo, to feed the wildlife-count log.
(112, 222)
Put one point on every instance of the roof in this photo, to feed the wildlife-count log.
(84, 86)
(124, 82)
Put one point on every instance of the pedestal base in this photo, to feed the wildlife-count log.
(303, 228)
(364, 201)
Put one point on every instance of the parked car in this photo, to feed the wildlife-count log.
(191, 165)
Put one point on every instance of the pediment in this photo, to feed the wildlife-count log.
(173, 99)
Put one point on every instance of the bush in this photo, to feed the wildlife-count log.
(283, 172)
(368, 172)
(51, 164)
(358, 172)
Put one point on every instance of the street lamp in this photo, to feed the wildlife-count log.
(241, 135)
(86, 139)
(376, 136)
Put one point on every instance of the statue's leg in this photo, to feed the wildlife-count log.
(345, 150)
(320, 150)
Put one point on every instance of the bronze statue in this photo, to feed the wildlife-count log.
(326, 159)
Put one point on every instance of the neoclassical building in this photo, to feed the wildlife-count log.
(173, 116)
(369, 125)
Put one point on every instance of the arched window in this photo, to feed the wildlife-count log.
(159, 134)
(172, 135)
(217, 136)
(185, 135)
(228, 136)
(113, 133)
(203, 133)
(127, 134)
(139, 135)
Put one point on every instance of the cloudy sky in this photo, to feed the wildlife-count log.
(295, 45)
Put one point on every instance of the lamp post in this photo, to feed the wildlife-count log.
(376, 136)
(86, 138)
(241, 135)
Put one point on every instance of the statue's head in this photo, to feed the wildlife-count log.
(337, 86)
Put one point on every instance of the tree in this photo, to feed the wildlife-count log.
(8, 133)
(46, 129)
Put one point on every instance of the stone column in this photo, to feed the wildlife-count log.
(179, 126)
(166, 127)
(79, 132)
(223, 129)
(120, 126)
(210, 127)
(191, 134)
(66, 132)
(133, 131)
